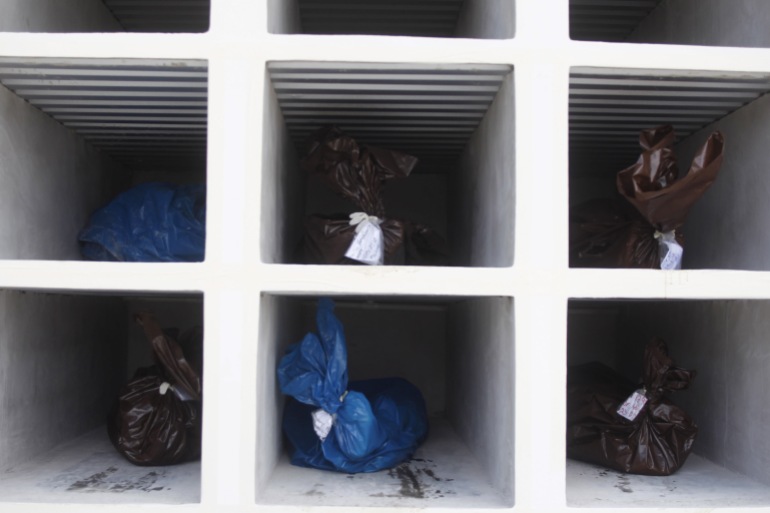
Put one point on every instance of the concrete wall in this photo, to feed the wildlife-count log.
(487, 19)
(283, 17)
(182, 314)
(483, 19)
(727, 228)
(61, 365)
(391, 340)
(726, 343)
(57, 16)
(707, 22)
(481, 215)
(283, 186)
(593, 331)
(480, 384)
(279, 326)
(50, 182)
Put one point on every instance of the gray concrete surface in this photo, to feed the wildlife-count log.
(89, 470)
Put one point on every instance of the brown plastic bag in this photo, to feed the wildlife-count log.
(604, 234)
(157, 420)
(658, 440)
(358, 173)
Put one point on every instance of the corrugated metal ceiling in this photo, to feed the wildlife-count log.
(161, 15)
(136, 110)
(608, 108)
(607, 20)
(437, 18)
(427, 110)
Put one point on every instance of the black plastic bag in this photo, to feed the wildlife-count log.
(659, 437)
(157, 417)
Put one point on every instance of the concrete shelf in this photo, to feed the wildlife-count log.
(467, 388)
(442, 474)
(88, 470)
(516, 109)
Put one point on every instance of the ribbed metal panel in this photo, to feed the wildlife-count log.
(136, 110)
(607, 20)
(608, 108)
(161, 15)
(436, 18)
(430, 111)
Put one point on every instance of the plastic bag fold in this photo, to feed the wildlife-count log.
(359, 172)
(151, 222)
(608, 233)
(156, 419)
(657, 442)
(377, 424)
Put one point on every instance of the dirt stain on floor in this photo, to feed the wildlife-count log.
(105, 481)
(417, 481)
(410, 484)
(624, 484)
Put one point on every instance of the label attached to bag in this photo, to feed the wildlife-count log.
(368, 246)
(633, 405)
(322, 423)
(669, 251)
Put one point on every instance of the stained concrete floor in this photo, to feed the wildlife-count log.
(442, 474)
(698, 484)
(89, 470)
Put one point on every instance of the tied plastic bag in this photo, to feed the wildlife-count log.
(157, 420)
(152, 222)
(603, 234)
(328, 239)
(362, 426)
(611, 422)
(359, 173)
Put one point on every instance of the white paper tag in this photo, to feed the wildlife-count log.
(633, 405)
(367, 246)
(322, 423)
(669, 251)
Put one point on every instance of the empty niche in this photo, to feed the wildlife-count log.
(483, 19)
(457, 120)
(739, 23)
(76, 132)
(609, 107)
(105, 16)
(457, 351)
(720, 340)
(64, 360)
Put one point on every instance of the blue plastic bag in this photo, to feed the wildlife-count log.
(152, 222)
(375, 424)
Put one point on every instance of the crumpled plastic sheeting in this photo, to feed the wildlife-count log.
(357, 172)
(377, 423)
(151, 222)
(653, 185)
(657, 442)
(605, 234)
